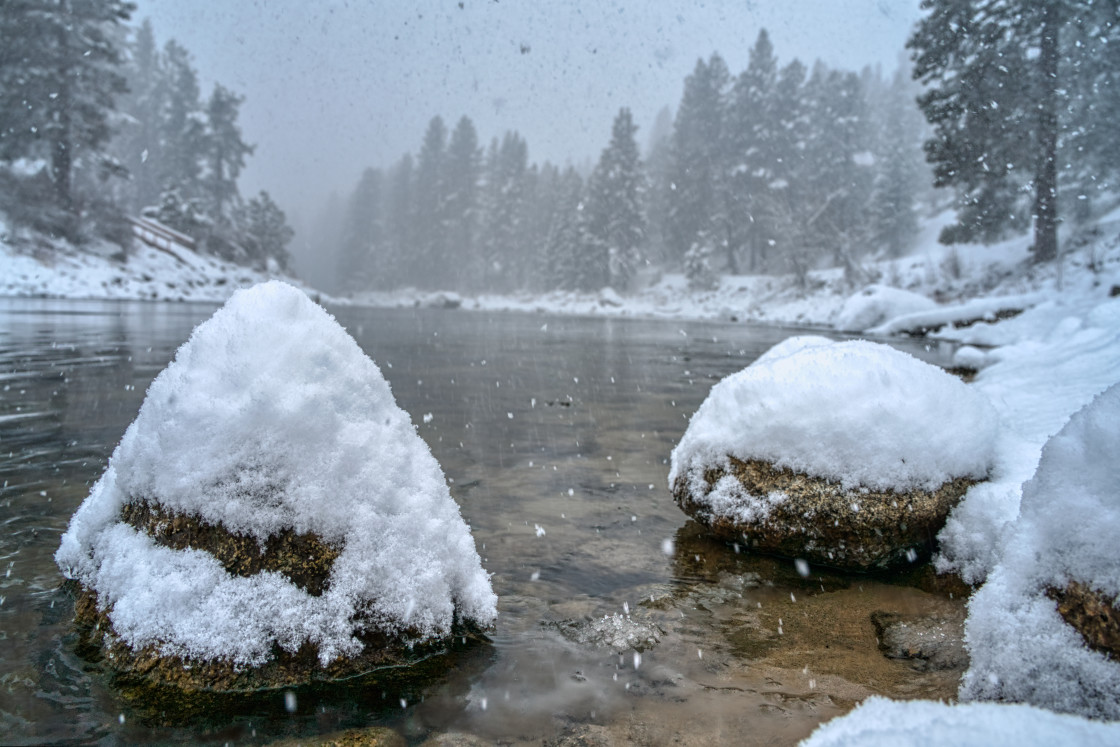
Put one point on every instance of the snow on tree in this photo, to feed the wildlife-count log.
(225, 151)
(898, 168)
(182, 123)
(137, 143)
(565, 236)
(429, 203)
(753, 148)
(1007, 91)
(398, 224)
(264, 232)
(463, 170)
(695, 181)
(502, 211)
(615, 220)
(60, 75)
(363, 233)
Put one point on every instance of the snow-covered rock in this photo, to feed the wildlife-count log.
(879, 722)
(876, 304)
(272, 423)
(1045, 627)
(849, 454)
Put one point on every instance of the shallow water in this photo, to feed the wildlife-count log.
(555, 434)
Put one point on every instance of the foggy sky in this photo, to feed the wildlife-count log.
(332, 87)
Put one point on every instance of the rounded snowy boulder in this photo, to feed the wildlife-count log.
(271, 517)
(847, 454)
(1045, 627)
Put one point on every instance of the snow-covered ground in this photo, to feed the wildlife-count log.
(879, 722)
(58, 270)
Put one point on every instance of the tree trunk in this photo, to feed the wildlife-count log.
(1046, 177)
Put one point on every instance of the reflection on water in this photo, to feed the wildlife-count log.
(555, 434)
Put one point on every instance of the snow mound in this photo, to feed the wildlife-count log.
(857, 413)
(1052, 360)
(791, 345)
(879, 722)
(271, 418)
(876, 304)
(1067, 531)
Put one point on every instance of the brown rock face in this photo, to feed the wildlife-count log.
(1091, 614)
(305, 559)
(156, 682)
(823, 523)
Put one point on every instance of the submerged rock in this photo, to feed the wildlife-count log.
(271, 519)
(617, 632)
(931, 643)
(844, 454)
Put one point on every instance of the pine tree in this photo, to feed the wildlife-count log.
(542, 196)
(615, 222)
(185, 214)
(503, 212)
(363, 234)
(225, 151)
(264, 233)
(462, 175)
(658, 165)
(565, 235)
(430, 209)
(182, 124)
(836, 177)
(395, 267)
(899, 170)
(752, 135)
(59, 78)
(138, 144)
(697, 220)
(1001, 74)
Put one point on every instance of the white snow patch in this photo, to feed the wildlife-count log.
(1051, 361)
(877, 303)
(879, 722)
(271, 417)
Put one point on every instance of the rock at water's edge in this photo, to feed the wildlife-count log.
(800, 516)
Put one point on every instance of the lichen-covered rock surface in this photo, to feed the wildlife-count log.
(271, 517)
(846, 454)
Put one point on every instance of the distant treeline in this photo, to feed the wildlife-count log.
(776, 169)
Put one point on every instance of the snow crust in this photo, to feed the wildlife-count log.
(858, 413)
(1067, 530)
(879, 722)
(271, 417)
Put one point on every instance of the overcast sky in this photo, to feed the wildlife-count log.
(334, 86)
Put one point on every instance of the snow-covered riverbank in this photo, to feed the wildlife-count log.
(1044, 339)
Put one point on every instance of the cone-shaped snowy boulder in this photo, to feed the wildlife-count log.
(847, 454)
(271, 516)
(1045, 626)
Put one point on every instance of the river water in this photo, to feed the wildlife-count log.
(555, 433)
